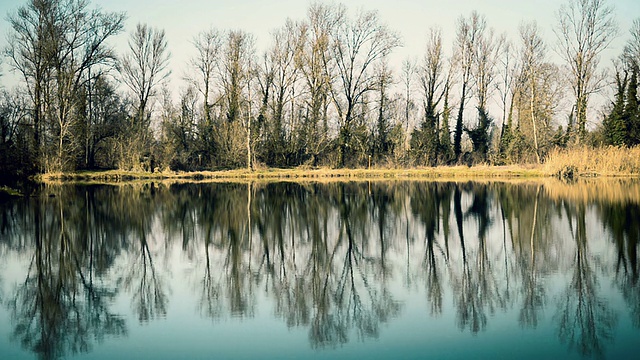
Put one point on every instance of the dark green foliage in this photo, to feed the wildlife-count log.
(382, 138)
(445, 151)
(479, 135)
(614, 127)
(424, 140)
(506, 137)
(622, 126)
(631, 113)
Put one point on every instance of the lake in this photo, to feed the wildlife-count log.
(335, 270)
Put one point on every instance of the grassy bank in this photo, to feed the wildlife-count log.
(574, 163)
(304, 174)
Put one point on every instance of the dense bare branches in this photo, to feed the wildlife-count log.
(357, 45)
(208, 46)
(585, 29)
(145, 67)
(467, 33)
(325, 91)
(632, 49)
(54, 45)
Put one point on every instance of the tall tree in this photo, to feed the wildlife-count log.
(314, 61)
(614, 126)
(382, 144)
(357, 45)
(585, 29)
(532, 58)
(208, 46)
(235, 72)
(631, 112)
(485, 58)
(425, 139)
(144, 68)
(281, 67)
(506, 90)
(409, 70)
(467, 33)
(54, 45)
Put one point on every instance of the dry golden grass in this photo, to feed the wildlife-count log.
(606, 161)
(585, 162)
(453, 172)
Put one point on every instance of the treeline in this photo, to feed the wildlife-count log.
(323, 93)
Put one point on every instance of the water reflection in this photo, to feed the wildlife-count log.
(61, 305)
(330, 258)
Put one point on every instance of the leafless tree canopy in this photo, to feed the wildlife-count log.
(145, 66)
(585, 29)
(324, 91)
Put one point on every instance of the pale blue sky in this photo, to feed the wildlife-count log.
(412, 19)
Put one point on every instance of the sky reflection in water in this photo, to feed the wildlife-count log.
(337, 270)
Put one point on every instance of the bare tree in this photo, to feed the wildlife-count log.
(314, 61)
(585, 29)
(54, 45)
(235, 72)
(467, 33)
(409, 70)
(357, 45)
(142, 69)
(208, 45)
(432, 80)
(632, 49)
(382, 142)
(532, 58)
(280, 66)
(485, 59)
(505, 86)
(145, 67)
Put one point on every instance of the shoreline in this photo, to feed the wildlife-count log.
(301, 174)
(306, 174)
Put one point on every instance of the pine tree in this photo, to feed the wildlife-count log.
(614, 127)
(446, 150)
(631, 111)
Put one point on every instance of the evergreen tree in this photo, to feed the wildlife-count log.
(479, 135)
(446, 150)
(424, 141)
(631, 111)
(614, 127)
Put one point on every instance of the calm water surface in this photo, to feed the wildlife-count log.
(339, 270)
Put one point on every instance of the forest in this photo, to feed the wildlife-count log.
(324, 94)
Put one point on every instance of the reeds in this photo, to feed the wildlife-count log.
(568, 163)
(586, 161)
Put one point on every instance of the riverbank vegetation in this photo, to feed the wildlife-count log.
(323, 96)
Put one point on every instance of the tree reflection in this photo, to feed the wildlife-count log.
(58, 309)
(429, 202)
(140, 276)
(585, 320)
(325, 255)
(622, 222)
(533, 290)
(476, 289)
